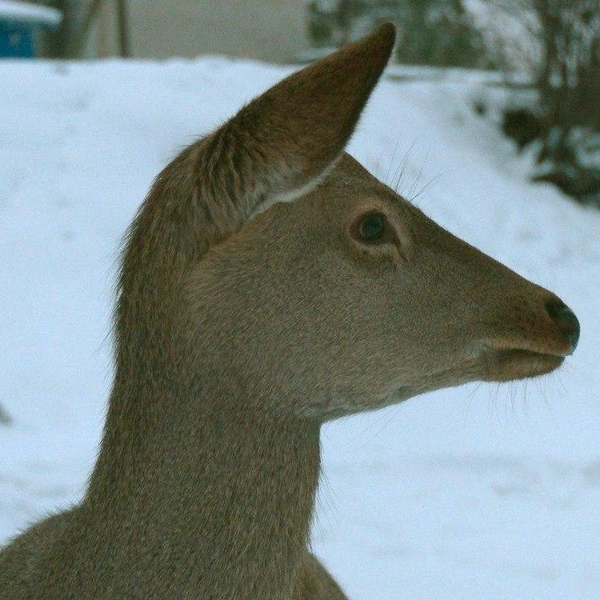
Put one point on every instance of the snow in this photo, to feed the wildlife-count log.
(25, 11)
(480, 491)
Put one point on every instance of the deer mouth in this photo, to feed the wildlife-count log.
(525, 354)
(508, 364)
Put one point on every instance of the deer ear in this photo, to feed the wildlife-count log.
(282, 142)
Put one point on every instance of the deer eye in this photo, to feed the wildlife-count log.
(370, 228)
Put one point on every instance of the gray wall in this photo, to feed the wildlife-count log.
(270, 30)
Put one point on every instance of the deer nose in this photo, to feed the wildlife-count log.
(566, 321)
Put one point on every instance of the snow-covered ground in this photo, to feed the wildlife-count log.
(478, 492)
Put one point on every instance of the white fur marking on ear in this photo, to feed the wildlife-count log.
(294, 194)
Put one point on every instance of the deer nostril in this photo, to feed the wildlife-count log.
(565, 320)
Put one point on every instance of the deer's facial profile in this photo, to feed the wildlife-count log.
(342, 298)
(350, 298)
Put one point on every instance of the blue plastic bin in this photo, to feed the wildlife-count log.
(20, 26)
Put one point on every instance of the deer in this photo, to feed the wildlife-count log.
(269, 284)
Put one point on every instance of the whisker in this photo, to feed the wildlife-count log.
(398, 176)
(424, 188)
(416, 179)
(393, 159)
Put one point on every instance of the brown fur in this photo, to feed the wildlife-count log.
(238, 334)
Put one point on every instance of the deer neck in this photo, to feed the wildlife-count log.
(206, 494)
(215, 498)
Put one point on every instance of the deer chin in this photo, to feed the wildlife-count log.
(509, 364)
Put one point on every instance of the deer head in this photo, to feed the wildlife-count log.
(268, 258)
